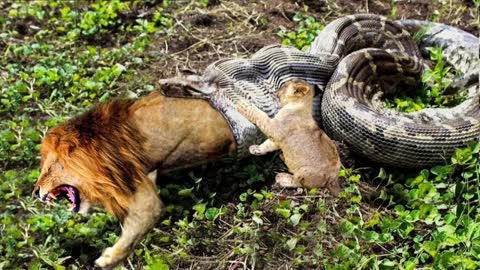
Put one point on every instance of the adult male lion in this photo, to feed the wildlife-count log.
(104, 155)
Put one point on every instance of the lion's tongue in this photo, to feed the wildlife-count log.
(69, 193)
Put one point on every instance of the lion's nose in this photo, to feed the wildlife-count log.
(36, 193)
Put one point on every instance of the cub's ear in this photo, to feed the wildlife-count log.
(300, 90)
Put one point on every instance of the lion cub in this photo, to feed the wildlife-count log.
(308, 152)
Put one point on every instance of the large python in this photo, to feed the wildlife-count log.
(353, 61)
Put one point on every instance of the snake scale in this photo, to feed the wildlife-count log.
(353, 62)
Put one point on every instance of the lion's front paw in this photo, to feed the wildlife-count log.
(110, 258)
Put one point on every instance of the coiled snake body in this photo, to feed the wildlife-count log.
(353, 61)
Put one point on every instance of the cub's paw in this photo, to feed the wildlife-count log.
(110, 258)
(285, 180)
(255, 150)
(243, 107)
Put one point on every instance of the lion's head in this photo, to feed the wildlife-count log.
(95, 158)
(56, 181)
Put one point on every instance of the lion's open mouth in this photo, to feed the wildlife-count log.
(65, 191)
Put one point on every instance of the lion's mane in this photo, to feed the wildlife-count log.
(104, 150)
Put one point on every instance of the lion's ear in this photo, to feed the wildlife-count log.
(58, 141)
(66, 148)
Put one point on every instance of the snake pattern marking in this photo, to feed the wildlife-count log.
(353, 62)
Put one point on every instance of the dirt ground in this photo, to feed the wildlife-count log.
(240, 28)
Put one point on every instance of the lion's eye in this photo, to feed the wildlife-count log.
(49, 170)
(59, 165)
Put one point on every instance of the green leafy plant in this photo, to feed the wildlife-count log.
(306, 32)
(104, 14)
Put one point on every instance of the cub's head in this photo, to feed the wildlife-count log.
(295, 90)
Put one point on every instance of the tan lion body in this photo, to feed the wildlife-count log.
(107, 152)
(309, 153)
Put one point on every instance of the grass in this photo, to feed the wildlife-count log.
(308, 28)
(59, 57)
